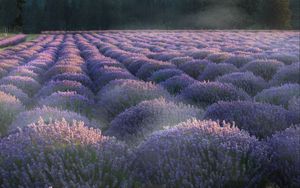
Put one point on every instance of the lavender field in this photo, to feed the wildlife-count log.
(171, 109)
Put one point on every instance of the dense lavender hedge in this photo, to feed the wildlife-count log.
(287, 74)
(200, 154)
(261, 120)
(14, 40)
(212, 71)
(176, 84)
(139, 121)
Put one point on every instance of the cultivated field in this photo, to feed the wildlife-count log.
(151, 109)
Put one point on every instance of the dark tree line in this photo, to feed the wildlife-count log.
(39, 15)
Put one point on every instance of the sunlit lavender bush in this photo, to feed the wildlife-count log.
(137, 122)
(263, 68)
(60, 154)
(279, 95)
(18, 93)
(48, 114)
(207, 93)
(261, 120)
(118, 95)
(285, 160)
(146, 70)
(10, 107)
(200, 154)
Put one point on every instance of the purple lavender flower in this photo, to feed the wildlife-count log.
(287, 74)
(27, 84)
(164, 74)
(194, 68)
(176, 84)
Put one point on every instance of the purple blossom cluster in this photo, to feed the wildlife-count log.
(136, 86)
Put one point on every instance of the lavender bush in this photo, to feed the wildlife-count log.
(287, 74)
(245, 80)
(206, 93)
(139, 121)
(261, 120)
(164, 74)
(263, 68)
(60, 154)
(285, 160)
(18, 93)
(118, 95)
(194, 68)
(10, 107)
(48, 114)
(200, 154)
(177, 83)
(212, 71)
(27, 84)
(279, 95)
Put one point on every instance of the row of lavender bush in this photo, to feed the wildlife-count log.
(153, 96)
(11, 41)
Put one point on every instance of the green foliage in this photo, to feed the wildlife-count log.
(39, 15)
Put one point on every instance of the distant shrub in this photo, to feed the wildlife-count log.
(164, 74)
(65, 85)
(119, 95)
(212, 71)
(139, 121)
(263, 68)
(287, 74)
(218, 57)
(27, 84)
(14, 91)
(194, 68)
(61, 154)
(176, 84)
(245, 80)
(200, 154)
(285, 160)
(82, 78)
(9, 109)
(147, 70)
(238, 60)
(261, 120)
(69, 101)
(48, 115)
(164, 56)
(279, 95)
(201, 54)
(206, 93)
